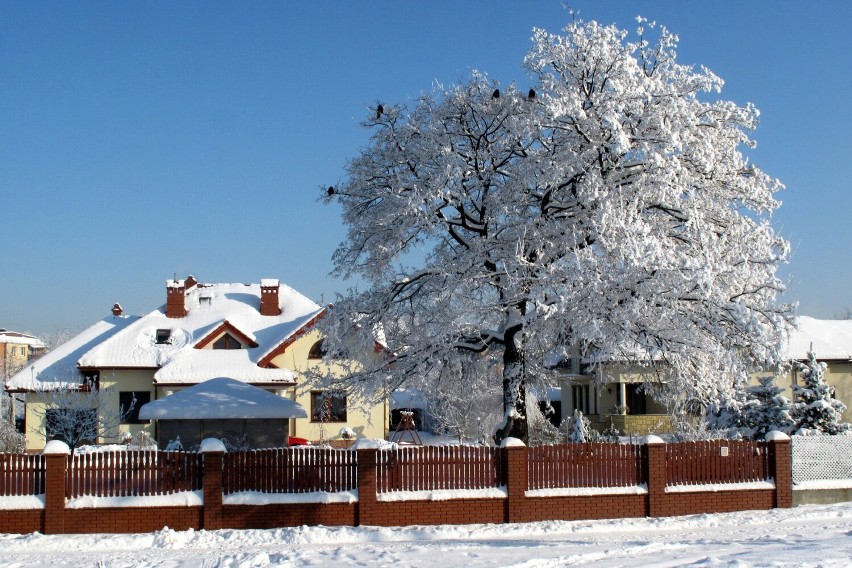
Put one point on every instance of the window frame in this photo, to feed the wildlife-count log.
(124, 400)
(329, 398)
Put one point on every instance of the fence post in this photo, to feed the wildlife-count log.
(367, 502)
(655, 461)
(781, 468)
(56, 455)
(516, 455)
(213, 450)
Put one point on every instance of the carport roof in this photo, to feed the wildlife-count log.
(224, 399)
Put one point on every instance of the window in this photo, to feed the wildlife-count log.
(132, 400)
(227, 341)
(163, 336)
(91, 380)
(317, 350)
(328, 406)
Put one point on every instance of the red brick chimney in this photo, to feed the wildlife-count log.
(175, 298)
(269, 305)
(116, 309)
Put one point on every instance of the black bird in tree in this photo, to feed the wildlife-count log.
(531, 94)
(379, 110)
(495, 94)
(330, 191)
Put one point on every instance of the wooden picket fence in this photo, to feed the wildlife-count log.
(133, 473)
(586, 465)
(430, 468)
(21, 474)
(717, 462)
(290, 470)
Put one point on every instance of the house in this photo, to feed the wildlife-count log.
(16, 349)
(259, 334)
(611, 397)
(620, 402)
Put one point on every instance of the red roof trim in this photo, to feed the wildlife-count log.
(228, 327)
(267, 360)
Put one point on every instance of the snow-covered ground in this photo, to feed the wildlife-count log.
(805, 536)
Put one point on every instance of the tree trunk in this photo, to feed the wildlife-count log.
(514, 389)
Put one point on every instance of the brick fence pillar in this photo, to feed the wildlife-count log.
(367, 502)
(781, 468)
(516, 454)
(214, 451)
(655, 462)
(56, 455)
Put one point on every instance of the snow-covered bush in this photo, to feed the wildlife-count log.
(752, 412)
(78, 416)
(11, 441)
(815, 408)
(578, 428)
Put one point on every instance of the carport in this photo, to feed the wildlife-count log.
(240, 414)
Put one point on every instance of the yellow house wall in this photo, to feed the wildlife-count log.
(365, 419)
(117, 380)
(112, 382)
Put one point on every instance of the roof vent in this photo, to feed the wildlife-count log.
(116, 309)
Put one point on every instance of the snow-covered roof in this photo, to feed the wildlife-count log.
(59, 366)
(198, 365)
(131, 342)
(221, 399)
(19, 338)
(407, 398)
(207, 306)
(831, 339)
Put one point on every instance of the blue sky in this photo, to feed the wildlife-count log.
(142, 140)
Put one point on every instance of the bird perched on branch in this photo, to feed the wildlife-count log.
(495, 94)
(379, 110)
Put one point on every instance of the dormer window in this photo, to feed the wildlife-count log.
(227, 341)
(204, 301)
(164, 336)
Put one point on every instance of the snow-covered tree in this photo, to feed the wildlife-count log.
(578, 428)
(11, 441)
(78, 416)
(815, 409)
(765, 409)
(463, 397)
(609, 208)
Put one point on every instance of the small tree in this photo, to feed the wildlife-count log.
(11, 441)
(578, 429)
(815, 408)
(765, 409)
(79, 416)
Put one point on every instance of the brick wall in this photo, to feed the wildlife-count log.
(513, 506)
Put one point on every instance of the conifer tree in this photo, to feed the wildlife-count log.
(815, 408)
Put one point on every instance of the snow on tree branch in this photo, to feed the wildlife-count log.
(614, 211)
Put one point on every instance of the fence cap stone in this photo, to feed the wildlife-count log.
(56, 447)
(512, 443)
(651, 439)
(212, 445)
(776, 436)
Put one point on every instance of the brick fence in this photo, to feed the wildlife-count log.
(398, 487)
